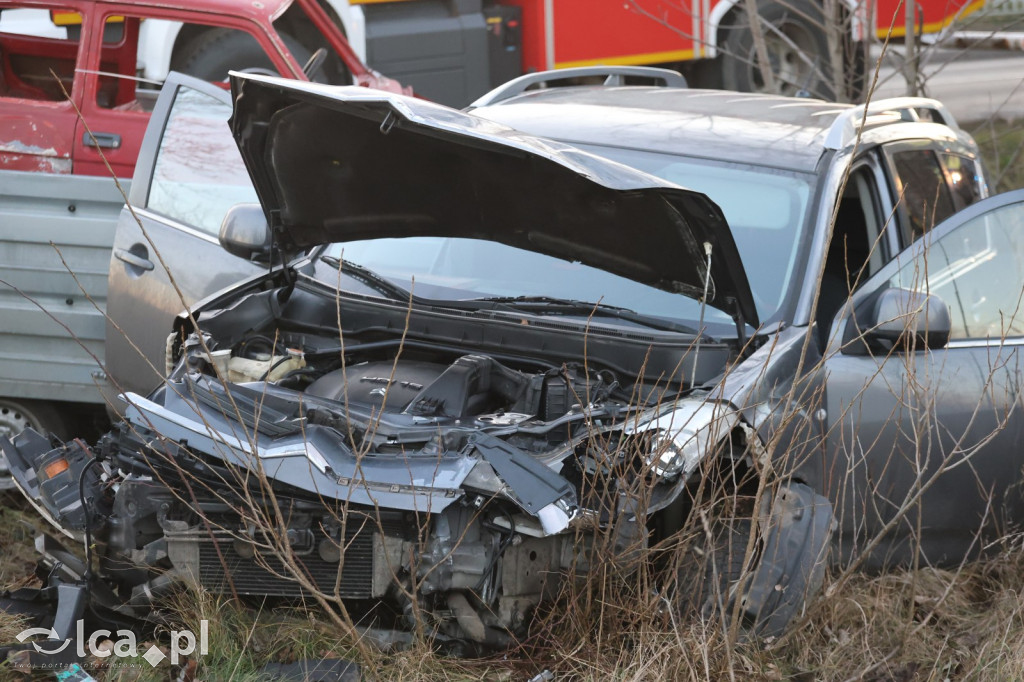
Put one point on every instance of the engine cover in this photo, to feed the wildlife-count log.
(369, 382)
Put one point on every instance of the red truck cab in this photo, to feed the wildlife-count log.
(62, 57)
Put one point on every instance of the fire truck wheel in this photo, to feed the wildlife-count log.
(215, 52)
(796, 45)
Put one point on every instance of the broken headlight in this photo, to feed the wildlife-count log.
(681, 436)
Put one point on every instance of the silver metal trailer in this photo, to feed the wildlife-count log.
(56, 232)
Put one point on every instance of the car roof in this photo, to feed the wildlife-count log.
(784, 132)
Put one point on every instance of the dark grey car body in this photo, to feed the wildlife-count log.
(916, 447)
(482, 419)
(420, 437)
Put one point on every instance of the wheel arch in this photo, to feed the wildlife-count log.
(176, 36)
(158, 39)
(352, 22)
(722, 14)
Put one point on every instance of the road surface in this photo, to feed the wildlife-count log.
(974, 83)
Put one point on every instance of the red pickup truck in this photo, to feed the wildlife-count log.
(57, 56)
(58, 203)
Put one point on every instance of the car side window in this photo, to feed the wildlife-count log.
(118, 61)
(33, 42)
(964, 179)
(978, 271)
(921, 183)
(209, 55)
(199, 174)
(858, 248)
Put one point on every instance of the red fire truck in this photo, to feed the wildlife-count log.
(452, 51)
(430, 44)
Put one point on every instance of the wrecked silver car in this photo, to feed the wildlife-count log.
(477, 364)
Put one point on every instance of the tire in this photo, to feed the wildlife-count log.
(15, 416)
(795, 39)
(211, 55)
(703, 73)
(715, 563)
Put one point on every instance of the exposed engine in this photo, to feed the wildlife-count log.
(422, 494)
(445, 484)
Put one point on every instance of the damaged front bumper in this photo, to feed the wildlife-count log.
(473, 556)
(478, 537)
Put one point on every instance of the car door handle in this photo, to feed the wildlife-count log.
(104, 140)
(133, 260)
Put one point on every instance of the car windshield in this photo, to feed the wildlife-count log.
(766, 209)
(458, 269)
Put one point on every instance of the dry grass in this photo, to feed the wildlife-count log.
(19, 525)
(907, 625)
(917, 625)
(1002, 146)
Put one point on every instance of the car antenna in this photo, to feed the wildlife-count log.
(703, 306)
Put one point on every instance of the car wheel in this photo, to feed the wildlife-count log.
(796, 46)
(217, 51)
(16, 416)
(714, 563)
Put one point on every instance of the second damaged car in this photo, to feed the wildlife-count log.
(471, 367)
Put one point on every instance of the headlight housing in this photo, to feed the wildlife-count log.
(682, 435)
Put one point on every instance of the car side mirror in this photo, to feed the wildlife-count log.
(245, 233)
(911, 319)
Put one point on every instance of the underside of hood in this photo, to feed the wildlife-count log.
(336, 164)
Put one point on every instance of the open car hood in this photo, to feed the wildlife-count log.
(335, 164)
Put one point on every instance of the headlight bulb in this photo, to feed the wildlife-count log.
(667, 459)
(684, 434)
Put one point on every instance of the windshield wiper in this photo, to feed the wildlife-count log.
(549, 305)
(369, 278)
(545, 305)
